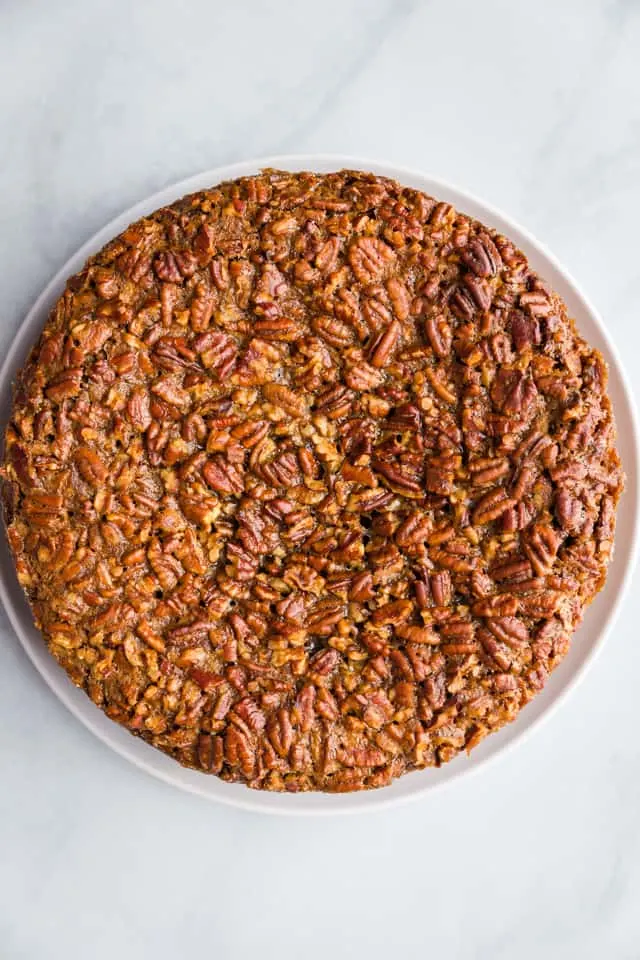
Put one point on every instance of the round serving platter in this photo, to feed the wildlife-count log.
(588, 640)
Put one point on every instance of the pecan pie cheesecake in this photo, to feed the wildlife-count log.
(309, 480)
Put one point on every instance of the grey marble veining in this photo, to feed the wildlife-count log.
(536, 108)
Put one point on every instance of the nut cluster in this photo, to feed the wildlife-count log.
(309, 480)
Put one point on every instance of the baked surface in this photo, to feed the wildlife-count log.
(309, 480)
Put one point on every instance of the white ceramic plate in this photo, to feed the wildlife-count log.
(587, 642)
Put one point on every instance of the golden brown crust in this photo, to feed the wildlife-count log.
(309, 480)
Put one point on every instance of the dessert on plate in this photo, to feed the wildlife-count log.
(309, 480)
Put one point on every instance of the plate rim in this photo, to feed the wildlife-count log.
(513, 734)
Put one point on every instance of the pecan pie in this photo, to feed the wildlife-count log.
(309, 480)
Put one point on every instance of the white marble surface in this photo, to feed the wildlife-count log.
(535, 107)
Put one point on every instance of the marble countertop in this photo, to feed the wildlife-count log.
(534, 107)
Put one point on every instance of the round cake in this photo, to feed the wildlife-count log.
(309, 480)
